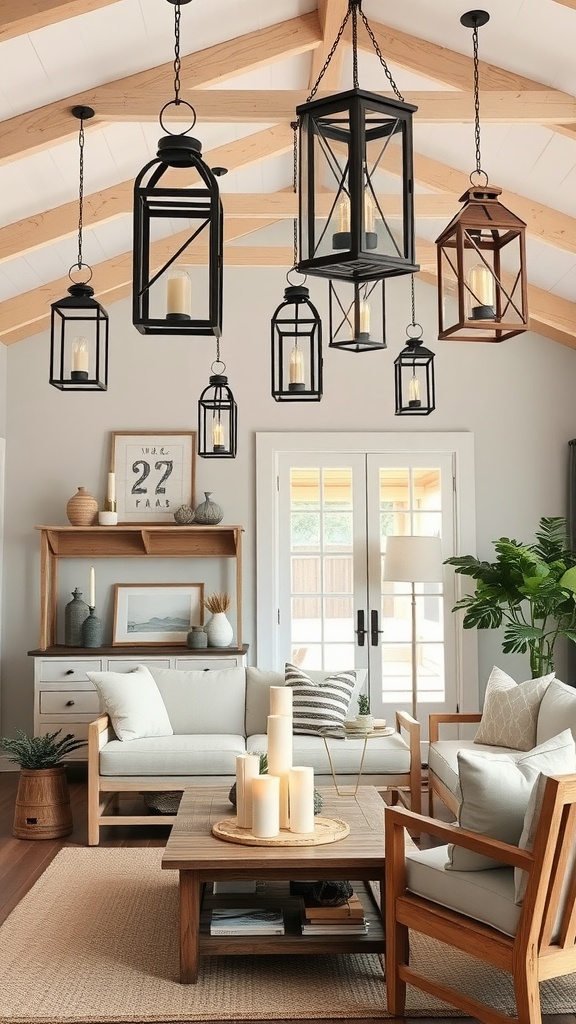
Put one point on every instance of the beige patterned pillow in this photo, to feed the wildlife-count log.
(510, 712)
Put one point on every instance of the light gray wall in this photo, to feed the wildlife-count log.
(517, 399)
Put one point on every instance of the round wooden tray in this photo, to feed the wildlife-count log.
(326, 830)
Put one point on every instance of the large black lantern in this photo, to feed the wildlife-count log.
(177, 188)
(296, 348)
(78, 323)
(357, 316)
(482, 277)
(348, 143)
(414, 378)
(217, 416)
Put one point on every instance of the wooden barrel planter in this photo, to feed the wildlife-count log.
(42, 804)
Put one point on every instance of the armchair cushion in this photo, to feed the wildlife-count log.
(510, 712)
(496, 791)
(557, 711)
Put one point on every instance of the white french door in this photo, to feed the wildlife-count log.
(322, 598)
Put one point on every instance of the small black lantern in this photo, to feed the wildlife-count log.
(357, 321)
(296, 331)
(78, 323)
(414, 378)
(165, 301)
(347, 141)
(217, 416)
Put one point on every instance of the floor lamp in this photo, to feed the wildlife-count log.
(413, 560)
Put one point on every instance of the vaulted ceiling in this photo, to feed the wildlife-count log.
(246, 64)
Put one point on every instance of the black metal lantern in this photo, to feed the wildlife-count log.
(296, 339)
(165, 299)
(348, 141)
(414, 378)
(357, 316)
(78, 323)
(217, 416)
(482, 279)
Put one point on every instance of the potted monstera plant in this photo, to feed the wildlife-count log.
(42, 801)
(531, 588)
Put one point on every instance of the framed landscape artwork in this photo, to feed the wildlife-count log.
(156, 613)
(154, 473)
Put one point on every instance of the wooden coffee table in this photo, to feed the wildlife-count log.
(200, 858)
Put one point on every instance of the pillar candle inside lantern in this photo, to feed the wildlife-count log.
(265, 806)
(301, 790)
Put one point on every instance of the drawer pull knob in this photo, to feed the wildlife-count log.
(69, 672)
(70, 703)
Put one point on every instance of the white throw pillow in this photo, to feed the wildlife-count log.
(531, 819)
(319, 705)
(510, 712)
(496, 791)
(134, 703)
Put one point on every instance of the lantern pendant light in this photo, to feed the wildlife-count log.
(482, 281)
(352, 321)
(165, 299)
(296, 335)
(347, 141)
(414, 383)
(217, 416)
(78, 323)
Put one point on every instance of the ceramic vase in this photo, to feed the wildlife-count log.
(74, 614)
(209, 513)
(197, 638)
(82, 508)
(219, 631)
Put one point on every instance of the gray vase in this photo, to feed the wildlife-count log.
(208, 512)
(75, 612)
(92, 630)
(197, 638)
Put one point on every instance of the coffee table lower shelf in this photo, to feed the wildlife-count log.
(277, 895)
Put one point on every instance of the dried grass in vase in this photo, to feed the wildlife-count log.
(217, 603)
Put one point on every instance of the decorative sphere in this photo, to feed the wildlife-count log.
(184, 515)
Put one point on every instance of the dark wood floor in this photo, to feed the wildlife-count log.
(22, 862)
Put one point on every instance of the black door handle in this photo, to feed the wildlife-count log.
(374, 631)
(360, 628)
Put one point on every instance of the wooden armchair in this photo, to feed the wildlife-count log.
(542, 945)
(435, 785)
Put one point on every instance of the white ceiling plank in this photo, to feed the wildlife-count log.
(18, 17)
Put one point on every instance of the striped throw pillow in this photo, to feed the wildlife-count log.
(319, 706)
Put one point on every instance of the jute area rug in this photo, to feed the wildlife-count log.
(96, 940)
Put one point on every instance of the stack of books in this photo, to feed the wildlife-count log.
(347, 919)
(247, 921)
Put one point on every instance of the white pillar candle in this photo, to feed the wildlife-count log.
(247, 768)
(265, 806)
(281, 700)
(301, 796)
(111, 494)
(280, 758)
(80, 355)
(92, 599)
(179, 293)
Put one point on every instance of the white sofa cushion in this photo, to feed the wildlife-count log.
(385, 755)
(496, 791)
(133, 702)
(203, 702)
(258, 683)
(173, 755)
(510, 711)
(557, 711)
(487, 896)
(443, 759)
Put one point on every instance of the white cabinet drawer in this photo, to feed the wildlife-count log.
(69, 702)
(201, 664)
(128, 665)
(67, 671)
(79, 730)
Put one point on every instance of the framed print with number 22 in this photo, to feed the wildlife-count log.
(154, 474)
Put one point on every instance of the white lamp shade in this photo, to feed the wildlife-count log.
(413, 560)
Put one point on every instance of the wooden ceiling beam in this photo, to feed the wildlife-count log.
(330, 16)
(18, 17)
(567, 3)
(43, 127)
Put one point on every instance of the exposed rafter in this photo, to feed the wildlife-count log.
(18, 17)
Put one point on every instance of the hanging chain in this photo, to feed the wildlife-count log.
(177, 63)
(355, 47)
(331, 54)
(380, 56)
(294, 127)
(80, 192)
(218, 360)
(413, 301)
(476, 101)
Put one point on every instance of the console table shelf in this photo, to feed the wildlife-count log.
(130, 542)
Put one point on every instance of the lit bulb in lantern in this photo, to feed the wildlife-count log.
(217, 435)
(369, 212)
(344, 213)
(364, 317)
(482, 293)
(296, 370)
(414, 391)
(80, 359)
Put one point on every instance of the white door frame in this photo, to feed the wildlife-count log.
(269, 445)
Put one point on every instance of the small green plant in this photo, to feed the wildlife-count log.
(37, 752)
(363, 704)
